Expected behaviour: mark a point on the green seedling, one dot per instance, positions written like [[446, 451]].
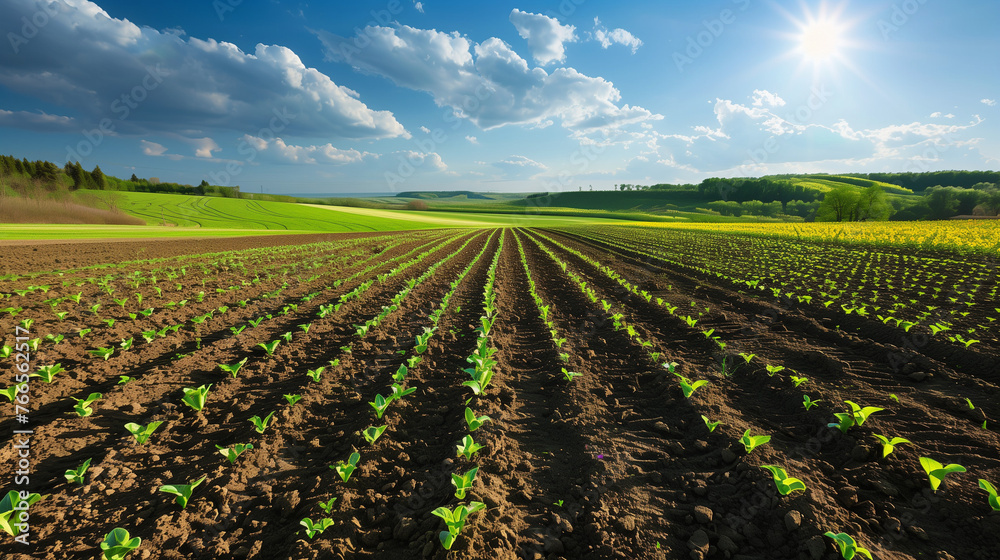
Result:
[[889, 445], [117, 544], [771, 370], [327, 506], [313, 529], [400, 374], [102, 353], [798, 380], [413, 361], [149, 336], [11, 392], [48, 373], [82, 406], [292, 399], [55, 339], [269, 347], [231, 453], [110, 323], [76, 475], [398, 392], [468, 447], [809, 403], [463, 482], [688, 388], [260, 424], [380, 405], [455, 520], [195, 398], [786, 484], [856, 416], [123, 379], [126, 343], [233, 369], [142, 433], [345, 469], [849, 548], [709, 424], [182, 491], [993, 500], [6, 351], [747, 357], [936, 471], [315, 374], [473, 422], [372, 433], [969, 402], [287, 336], [13, 507], [558, 503], [753, 442], [570, 375], [237, 330]]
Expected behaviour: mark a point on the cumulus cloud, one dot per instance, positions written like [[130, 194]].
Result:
[[278, 150], [764, 98], [615, 36], [146, 80], [545, 35], [988, 102], [939, 114], [152, 148], [487, 83], [472, 139]]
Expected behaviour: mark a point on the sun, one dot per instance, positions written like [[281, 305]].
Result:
[[821, 40]]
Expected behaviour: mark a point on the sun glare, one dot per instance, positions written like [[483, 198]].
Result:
[[820, 40]]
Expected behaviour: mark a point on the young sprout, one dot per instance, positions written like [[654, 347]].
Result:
[[260, 424], [688, 388], [55, 339], [48, 373], [463, 482], [314, 374], [82, 406], [123, 379], [372, 433], [854, 417], [287, 336], [117, 544], [76, 475], [809, 403], [380, 405], [292, 399], [195, 398], [455, 520], [126, 343], [327, 506], [468, 447], [558, 503], [182, 491], [344, 469], [269, 347], [936, 471], [993, 500], [771, 370], [231, 453], [413, 361], [474, 422], [709, 424], [786, 484], [102, 353], [569, 375], [889, 445], [233, 369], [312, 529], [13, 506], [894, 397], [849, 548], [237, 330], [142, 433], [753, 442], [798, 380]]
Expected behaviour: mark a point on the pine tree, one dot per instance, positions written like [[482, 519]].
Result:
[[100, 183]]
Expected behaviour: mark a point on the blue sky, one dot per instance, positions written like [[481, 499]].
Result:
[[326, 97]]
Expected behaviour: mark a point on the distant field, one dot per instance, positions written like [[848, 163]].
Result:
[[200, 216]]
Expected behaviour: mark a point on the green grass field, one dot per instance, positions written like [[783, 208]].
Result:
[[200, 216]]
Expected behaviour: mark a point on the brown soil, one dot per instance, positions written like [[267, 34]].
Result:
[[615, 464]]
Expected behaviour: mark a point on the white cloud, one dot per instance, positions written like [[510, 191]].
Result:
[[472, 139], [278, 150], [203, 147], [39, 122], [425, 130], [988, 102], [146, 80], [939, 114], [764, 98], [615, 36], [419, 6], [487, 83], [152, 148], [519, 167], [545, 35]]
